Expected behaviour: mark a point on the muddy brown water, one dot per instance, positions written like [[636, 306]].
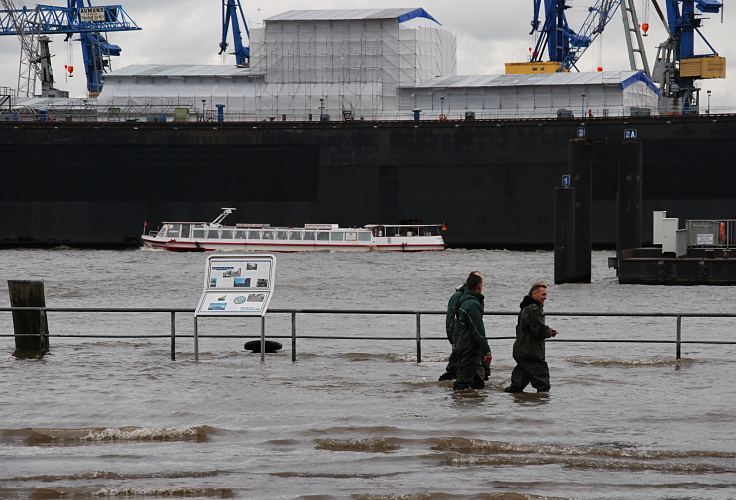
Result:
[[360, 418]]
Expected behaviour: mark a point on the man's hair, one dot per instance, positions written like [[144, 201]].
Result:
[[474, 273], [536, 286], [474, 280]]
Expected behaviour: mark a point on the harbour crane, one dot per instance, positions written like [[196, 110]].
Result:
[[78, 17], [232, 16], [677, 66], [564, 46]]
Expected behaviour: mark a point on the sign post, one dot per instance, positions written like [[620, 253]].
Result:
[[237, 285]]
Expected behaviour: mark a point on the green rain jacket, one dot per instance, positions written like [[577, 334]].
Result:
[[469, 329], [450, 316], [531, 331]]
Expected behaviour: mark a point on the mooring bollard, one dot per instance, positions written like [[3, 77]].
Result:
[[30, 327]]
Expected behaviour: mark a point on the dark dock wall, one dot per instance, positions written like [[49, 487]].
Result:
[[491, 182]]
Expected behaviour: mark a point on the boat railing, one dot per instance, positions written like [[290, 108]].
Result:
[[415, 316]]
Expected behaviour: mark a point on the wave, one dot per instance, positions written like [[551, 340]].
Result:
[[481, 447], [51, 478], [506, 495], [627, 363], [391, 357], [39, 437], [165, 492], [592, 464], [370, 445]]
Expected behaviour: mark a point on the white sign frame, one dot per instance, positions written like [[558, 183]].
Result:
[[237, 285]]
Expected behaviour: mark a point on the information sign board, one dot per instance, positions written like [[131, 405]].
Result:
[[237, 285], [630, 134], [92, 14], [705, 239]]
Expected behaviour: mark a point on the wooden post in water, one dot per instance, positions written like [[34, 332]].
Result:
[[30, 327]]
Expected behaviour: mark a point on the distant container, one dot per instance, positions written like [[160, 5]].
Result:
[[181, 114], [531, 68], [640, 111], [470, 115], [43, 115], [564, 113], [703, 67]]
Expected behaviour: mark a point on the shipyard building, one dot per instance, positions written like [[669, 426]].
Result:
[[373, 64]]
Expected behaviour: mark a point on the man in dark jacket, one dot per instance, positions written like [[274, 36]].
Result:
[[451, 370], [531, 331], [469, 337]]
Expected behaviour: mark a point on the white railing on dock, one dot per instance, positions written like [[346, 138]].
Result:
[[711, 233]]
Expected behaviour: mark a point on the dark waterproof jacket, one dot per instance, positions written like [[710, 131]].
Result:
[[531, 331], [469, 329], [450, 316]]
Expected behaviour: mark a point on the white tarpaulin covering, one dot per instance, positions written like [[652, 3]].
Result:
[[373, 63]]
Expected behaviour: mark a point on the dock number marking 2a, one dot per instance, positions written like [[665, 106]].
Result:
[[581, 132], [630, 134]]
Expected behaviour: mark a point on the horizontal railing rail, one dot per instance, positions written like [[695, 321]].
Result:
[[418, 338]]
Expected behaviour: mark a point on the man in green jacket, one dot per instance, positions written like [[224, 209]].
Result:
[[451, 370], [469, 337], [531, 332]]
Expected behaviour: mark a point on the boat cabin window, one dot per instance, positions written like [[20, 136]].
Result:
[[282, 235], [309, 235], [185, 230], [295, 235], [267, 235], [227, 234], [162, 232], [173, 231], [254, 235], [323, 236], [240, 235], [337, 236], [213, 234], [198, 233], [364, 236], [351, 236]]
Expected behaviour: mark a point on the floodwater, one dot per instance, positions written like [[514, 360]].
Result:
[[360, 418]]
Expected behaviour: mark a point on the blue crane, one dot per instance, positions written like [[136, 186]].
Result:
[[232, 15], [78, 17], [677, 66], [562, 43]]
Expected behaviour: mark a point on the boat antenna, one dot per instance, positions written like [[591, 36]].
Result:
[[221, 217]]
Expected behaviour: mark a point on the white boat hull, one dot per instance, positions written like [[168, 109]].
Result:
[[396, 245]]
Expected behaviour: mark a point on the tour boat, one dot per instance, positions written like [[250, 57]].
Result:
[[212, 236]]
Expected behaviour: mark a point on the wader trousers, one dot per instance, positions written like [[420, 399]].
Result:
[[470, 371], [528, 371], [451, 370]]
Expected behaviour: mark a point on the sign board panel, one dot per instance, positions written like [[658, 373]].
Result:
[[581, 132], [237, 285], [705, 239], [565, 181], [630, 134], [92, 14]]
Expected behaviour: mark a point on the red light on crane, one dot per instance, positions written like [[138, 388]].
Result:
[[599, 69], [645, 28]]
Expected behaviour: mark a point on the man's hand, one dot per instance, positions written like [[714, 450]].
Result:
[[553, 332], [487, 358]]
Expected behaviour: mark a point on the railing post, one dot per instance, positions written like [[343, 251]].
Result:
[[263, 338], [196, 341], [678, 349], [173, 336], [419, 337], [293, 336]]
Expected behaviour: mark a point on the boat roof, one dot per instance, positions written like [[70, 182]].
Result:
[[402, 225]]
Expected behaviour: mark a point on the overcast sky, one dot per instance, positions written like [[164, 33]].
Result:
[[490, 33]]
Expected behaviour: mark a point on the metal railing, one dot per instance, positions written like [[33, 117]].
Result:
[[418, 338], [711, 233]]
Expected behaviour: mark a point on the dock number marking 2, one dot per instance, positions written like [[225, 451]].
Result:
[[581, 132], [630, 133]]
